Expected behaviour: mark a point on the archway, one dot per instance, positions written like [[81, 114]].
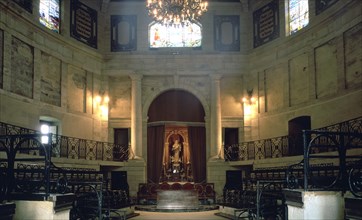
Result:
[[176, 115]]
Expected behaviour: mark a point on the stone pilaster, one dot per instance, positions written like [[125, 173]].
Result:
[[136, 117], [216, 151]]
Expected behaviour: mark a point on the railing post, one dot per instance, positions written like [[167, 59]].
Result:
[[48, 150], [104, 157], [342, 161], [306, 138], [258, 195]]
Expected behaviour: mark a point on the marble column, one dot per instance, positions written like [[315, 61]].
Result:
[[136, 117], [215, 120]]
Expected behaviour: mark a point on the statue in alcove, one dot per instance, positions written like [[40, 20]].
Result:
[[176, 164], [176, 150], [176, 155]]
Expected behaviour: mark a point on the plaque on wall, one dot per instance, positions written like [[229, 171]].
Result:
[[227, 32], [83, 23], [1, 58], [123, 33], [266, 23], [321, 5], [22, 68], [26, 4]]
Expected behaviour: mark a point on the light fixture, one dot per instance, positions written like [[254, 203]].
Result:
[[44, 129], [101, 102], [249, 99], [176, 12]]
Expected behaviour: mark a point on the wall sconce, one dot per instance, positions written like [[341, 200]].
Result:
[[249, 99], [248, 102], [101, 102]]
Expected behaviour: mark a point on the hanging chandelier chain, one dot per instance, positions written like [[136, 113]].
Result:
[[176, 12]]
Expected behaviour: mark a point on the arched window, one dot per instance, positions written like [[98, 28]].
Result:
[[161, 36], [298, 15]]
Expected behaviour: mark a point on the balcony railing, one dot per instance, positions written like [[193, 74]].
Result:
[[75, 148], [279, 146]]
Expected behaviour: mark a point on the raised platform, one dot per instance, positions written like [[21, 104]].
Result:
[[177, 199], [147, 192], [153, 208]]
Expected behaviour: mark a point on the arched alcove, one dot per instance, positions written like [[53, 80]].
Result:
[[178, 112], [176, 105]]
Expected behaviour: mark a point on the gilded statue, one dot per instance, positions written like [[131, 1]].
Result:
[[176, 149]]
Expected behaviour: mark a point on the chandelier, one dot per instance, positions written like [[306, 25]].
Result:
[[176, 12]]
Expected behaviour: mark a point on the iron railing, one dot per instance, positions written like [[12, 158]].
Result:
[[75, 148], [279, 146], [344, 175]]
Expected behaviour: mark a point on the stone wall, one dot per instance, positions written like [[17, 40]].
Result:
[[309, 73], [46, 75]]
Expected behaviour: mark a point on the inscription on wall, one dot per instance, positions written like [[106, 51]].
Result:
[[353, 54], [22, 68], [50, 80], [83, 23], [326, 69], [298, 80], [1, 58], [231, 91], [76, 90], [274, 89], [266, 23], [120, 91]]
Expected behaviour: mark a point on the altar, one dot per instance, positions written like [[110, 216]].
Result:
[[177, 199], [158, 193]]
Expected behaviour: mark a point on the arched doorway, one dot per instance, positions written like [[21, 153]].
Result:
[[176, 117]]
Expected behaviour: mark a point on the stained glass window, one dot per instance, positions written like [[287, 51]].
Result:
[[49, 14], [169, 36], [298, 15]]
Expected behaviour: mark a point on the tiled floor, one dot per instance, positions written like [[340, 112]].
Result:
[[207, 215]]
